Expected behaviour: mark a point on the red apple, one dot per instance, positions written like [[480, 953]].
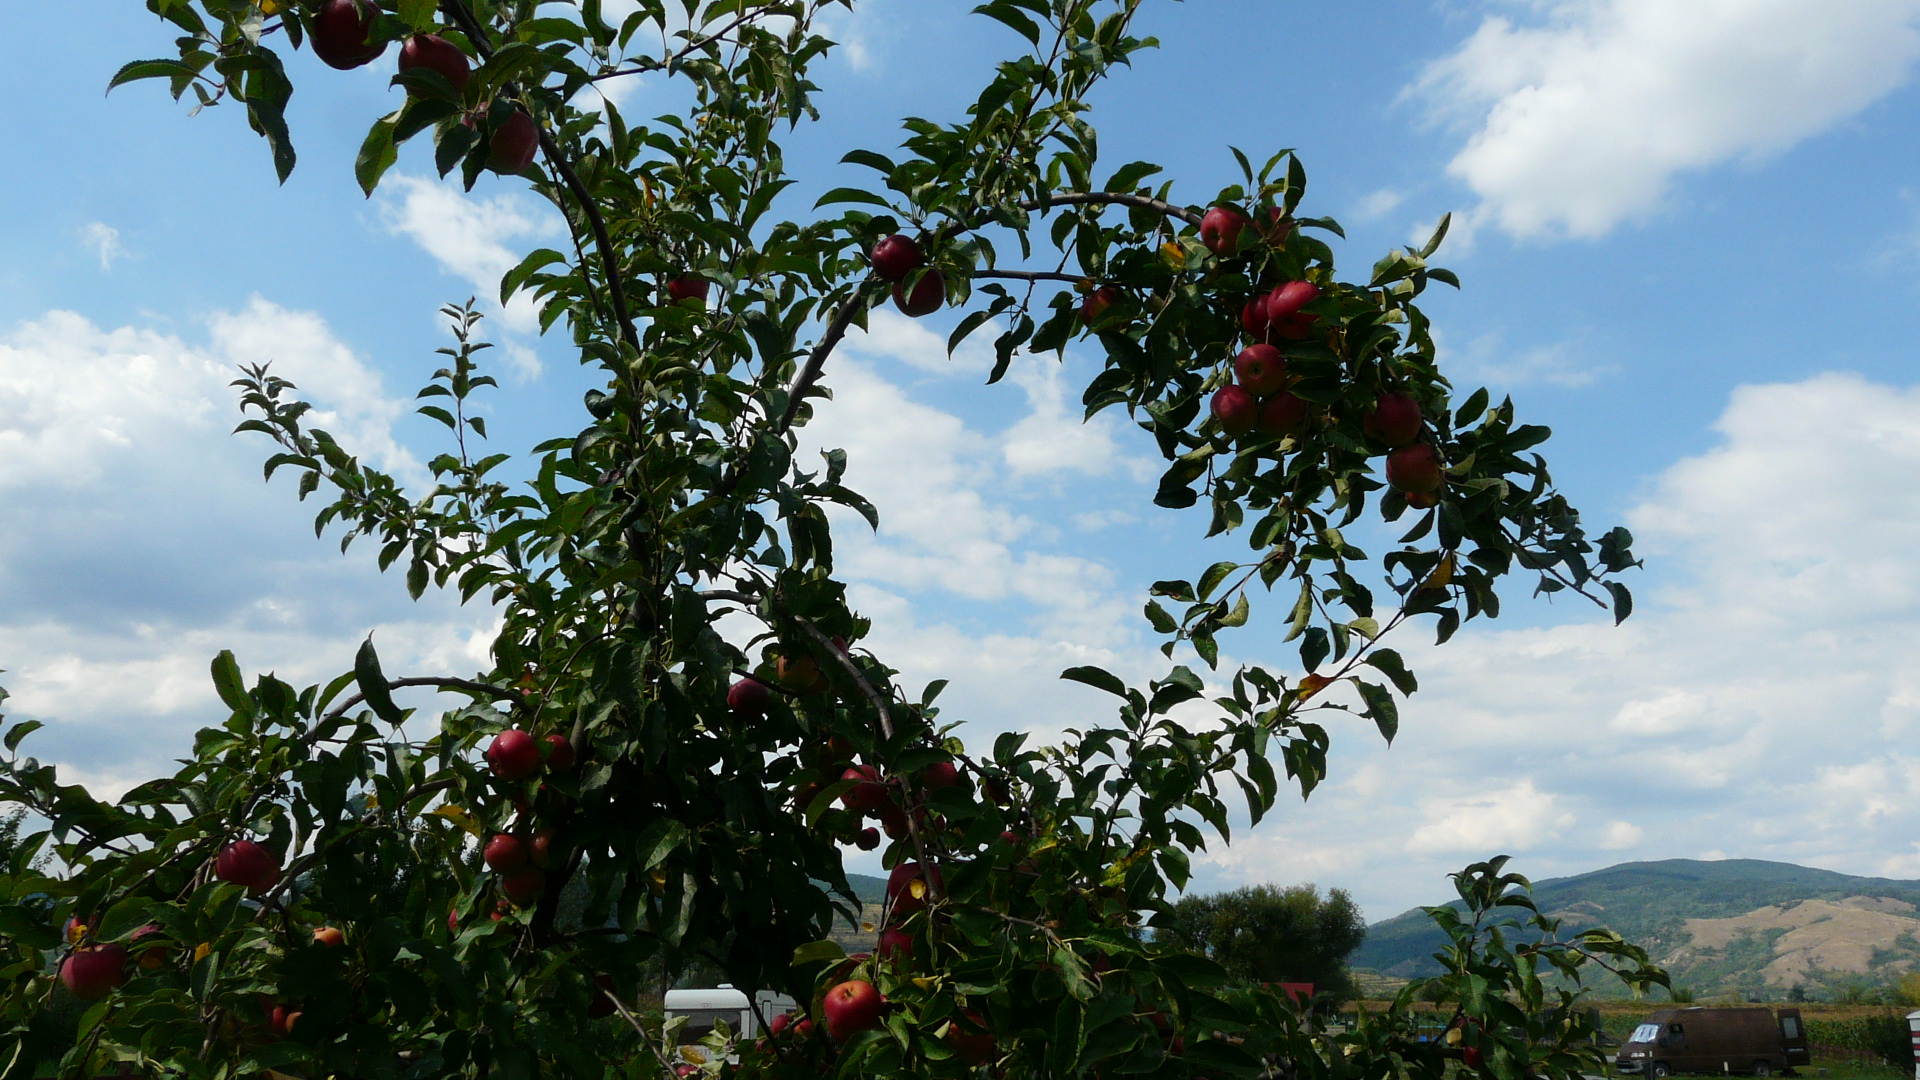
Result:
[[1279, 227], [867, 796], [1423, 500], [340, 31], [895, 944], [1261, 369], [748, 698], [1220, 229], [453, 920], [330, 936], [78, 931], [603, 991], [688, 287], [1415, 468], [778, 1024], [1097, 302], [559, 752], [544, 848], [1287, 300], [513, 755], [435, 53], [1254, 319], [1284, 413], [896, 257], [1471, 1057], [868, 839], [839, 748], [1235, 409], [907, 890], [851, 1008], [893, 820], [504, 854], [970, 1039], [244, 862], [800, 674], [940, 774], [1394, 419], [154, 956], [92, 973], [523, 887], [513, 144], [282, 1019], [1177, 1045], [929, 294], [1295, 327], [803, 1028]]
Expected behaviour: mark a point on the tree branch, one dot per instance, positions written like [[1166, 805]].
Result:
[[444, 683], [817, 359], [1139, 202]]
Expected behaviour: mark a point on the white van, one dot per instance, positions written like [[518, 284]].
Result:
[[723, 1003]]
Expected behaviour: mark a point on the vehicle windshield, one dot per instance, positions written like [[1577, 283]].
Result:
[[1645, 1033]]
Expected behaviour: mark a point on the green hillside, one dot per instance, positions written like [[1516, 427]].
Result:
[[1768, 934]]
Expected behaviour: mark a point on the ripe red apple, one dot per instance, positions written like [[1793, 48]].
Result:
[[800, 674], [92, 973], [244, 862], [778, 1024], [839, 748], [803, 1028], [1254, 319], [970, 1039], [1394, 419], [896, 257], [330, 936], [340, 31], [895, 944], [513, 755], [1287, 300], [1177, 1045], [1220, 229], [559, 752], [868, 839], [940, 774], [523, 887], [453, 920], [1261, 369], [748, 698], [513, 144], [893, 820], [504, 854], [544, 849], [1284, 413], [435, 53], [154, 956], [1097, 302], [907, 888], [501, 909], [928, 296], [867, 796], [1423, 500], [1279, 226], [283, 1018], [851, 1008], [1235, 409], [1416, 468], [997, 790], [603, 991], [1471, 1057], [688, 287]]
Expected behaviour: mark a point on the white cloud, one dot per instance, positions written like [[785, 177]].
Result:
[[1488, 359], [1584, 120], [1378, 204], [104, 241], [1621, 835], [1517, 818]]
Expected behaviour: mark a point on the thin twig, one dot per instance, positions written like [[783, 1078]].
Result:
[[443, 683], [1141, 202]]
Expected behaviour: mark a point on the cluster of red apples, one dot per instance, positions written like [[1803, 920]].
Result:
[[342, 36], [522, 859]]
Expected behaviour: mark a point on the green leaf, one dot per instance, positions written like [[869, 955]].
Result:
[[418, 14], [870, 159], [1214, 576], [851, 195], [20, 731], [1003, 12], [373, 684], [229, 685], [1389, 662], [1439, 234], [1380, 708], [1098, 678], [150, 69], [535, 261], [817, 951]]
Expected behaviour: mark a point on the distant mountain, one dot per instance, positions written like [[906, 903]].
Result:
[[1734, 925]]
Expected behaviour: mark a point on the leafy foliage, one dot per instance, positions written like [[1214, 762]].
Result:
[[694, 827], [1265, 934]]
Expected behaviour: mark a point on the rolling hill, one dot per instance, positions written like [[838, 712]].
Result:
[[1739, 926]]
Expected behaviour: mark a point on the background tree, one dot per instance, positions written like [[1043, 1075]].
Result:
[[1262, 933], [323, 889]]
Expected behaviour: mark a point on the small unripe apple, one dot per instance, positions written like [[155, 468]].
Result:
[[940, 774], [513, 755], [513, 144], [800, 674], [504, 854], [1416, 468], [92, 973], [244, 862], [851, 1008], [435, 53], [1261, 369], [330, 936], [1394, 419], [1284, 413], [867, 796], [970, 1039], [1287, 300], [1235, 409], [523, 887], [867, 839], [340, 32], [544, 849], [1097, 302], [897, 256], [748, 698], [1220, 229], [688, 287], [927, 296], [559, 752]]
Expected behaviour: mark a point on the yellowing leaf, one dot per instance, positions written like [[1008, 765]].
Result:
[[200, 951], [1441, 575], [459, 816], [1313, 684], [1172, 252]]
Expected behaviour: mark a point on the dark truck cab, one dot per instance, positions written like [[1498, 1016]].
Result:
[[1754, 1041]]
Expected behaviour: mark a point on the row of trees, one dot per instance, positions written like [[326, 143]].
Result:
[[318, 893]]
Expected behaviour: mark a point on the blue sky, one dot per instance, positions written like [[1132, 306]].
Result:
[[1690, 242]]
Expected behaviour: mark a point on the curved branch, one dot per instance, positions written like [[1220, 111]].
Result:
[[1138, 202], [817, 359]]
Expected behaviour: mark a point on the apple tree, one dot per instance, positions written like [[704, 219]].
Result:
[[325, 889]]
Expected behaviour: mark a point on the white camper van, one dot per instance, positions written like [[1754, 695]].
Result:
[[722, 1003]]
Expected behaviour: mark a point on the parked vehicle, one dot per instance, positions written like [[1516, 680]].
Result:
[[1753, 1041], [703, 1008]]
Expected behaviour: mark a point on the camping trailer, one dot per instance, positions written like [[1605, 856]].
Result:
[[703, 1008], [1754, 1041]]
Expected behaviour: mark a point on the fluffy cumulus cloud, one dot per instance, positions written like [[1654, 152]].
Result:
[[1582, 117], [139, 540]]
